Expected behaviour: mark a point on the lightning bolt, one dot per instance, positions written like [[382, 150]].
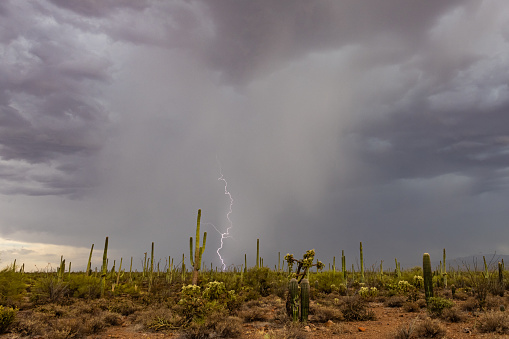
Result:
[[230, 223]]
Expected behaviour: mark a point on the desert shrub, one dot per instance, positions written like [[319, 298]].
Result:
[[323, 314], [229, 327], [12, 287], [289, 331], [405, 331], [7, 316], [470, 305], [354, 308], [494, 322], [411, 306], [124, 307], [395, 301], [493, 302], [452, 315], [158, 317], [260, 280], [429, 329], [27, 324], [215, 326], [254, 313], [82, 286], [49, 289], [436, 305]]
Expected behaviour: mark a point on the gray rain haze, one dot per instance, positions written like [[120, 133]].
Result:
[[333, 122]]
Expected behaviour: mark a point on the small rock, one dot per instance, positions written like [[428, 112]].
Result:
[[329, 323], [307, 329], [362, 329]]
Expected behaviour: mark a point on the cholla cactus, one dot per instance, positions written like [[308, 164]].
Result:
[[404, 285], [367, 292], [418, 281], [304, 264], [214, 290]]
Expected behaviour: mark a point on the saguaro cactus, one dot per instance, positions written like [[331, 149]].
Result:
[[304, 300], [428, 278], [198, 251], [104, 268], [257, 253], [362, 264], [89, 271], [444, 272], [293, 300], [343, 263]]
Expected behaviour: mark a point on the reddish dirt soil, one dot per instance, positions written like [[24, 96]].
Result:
[[388, 320]]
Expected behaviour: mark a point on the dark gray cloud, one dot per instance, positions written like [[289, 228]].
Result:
[[50, 107], [334, 123]]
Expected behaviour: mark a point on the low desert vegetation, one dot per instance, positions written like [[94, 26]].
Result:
[[288, 300]]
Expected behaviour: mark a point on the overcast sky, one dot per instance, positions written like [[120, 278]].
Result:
[[333, 122]]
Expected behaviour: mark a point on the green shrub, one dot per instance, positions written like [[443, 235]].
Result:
[[82, 286], [436, 305], [49, 289], [12, 287], [7, 315]]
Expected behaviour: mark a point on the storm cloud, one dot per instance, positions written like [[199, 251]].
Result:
[[334, 122]]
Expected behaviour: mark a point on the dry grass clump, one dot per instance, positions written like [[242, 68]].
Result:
[[323, 314], [411, 306], [452, 315], [290, 331], [429, 329], [355, 309], [405, 331], [157, 317], [216, 326], [395, 301], [124, 307], [256, 313], [494, 322], [55, 321], [470, 305]]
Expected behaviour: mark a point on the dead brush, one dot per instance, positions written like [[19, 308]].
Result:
[[405, 331], [158, 318], [494, 322], [395, 301], [216, 326], [452, 315], [429, 329], [289, 331], [323, 314], [255, 313], [355, 309], [411, 307]]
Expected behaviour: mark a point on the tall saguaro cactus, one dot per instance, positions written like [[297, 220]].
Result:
[[198, 251], [362, 263], [444, 272], [304, 300], [89, 271], [104, 268], [293, 301], [257, 253], [428, 278]]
